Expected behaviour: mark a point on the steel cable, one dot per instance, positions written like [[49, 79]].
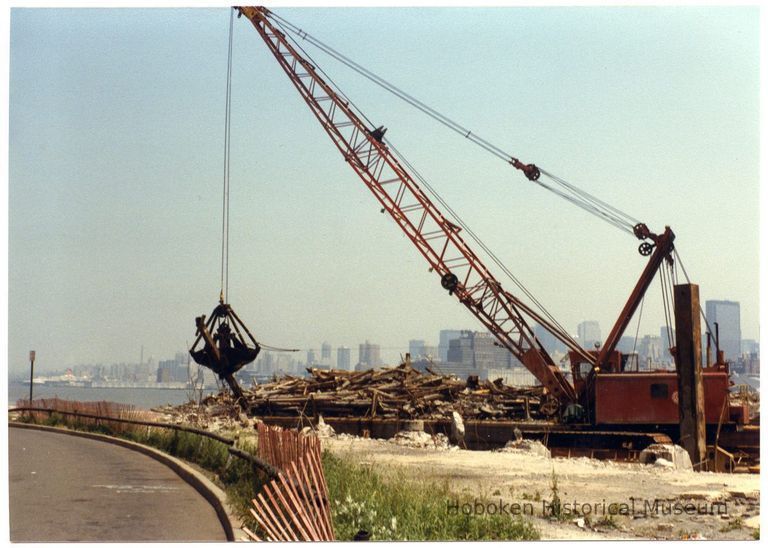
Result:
[[476, 239], [580, 198], [225, 193]]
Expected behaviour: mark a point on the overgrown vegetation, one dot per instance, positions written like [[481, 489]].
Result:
[[391, 506]]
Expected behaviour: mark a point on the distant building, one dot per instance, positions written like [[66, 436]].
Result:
[[627, 344], [369, 356], [311, 358], [325, 353], [488, 354], [343, 358], [548, 340], [727, 315], [664, 335], [589, 333], [750, 346], [172, 371], [477, 350], [430, 352], [652, 353], [446, 336], [416, 349], [460, 350], [514, 376]]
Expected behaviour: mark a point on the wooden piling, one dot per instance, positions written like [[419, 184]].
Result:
[[689, 373]]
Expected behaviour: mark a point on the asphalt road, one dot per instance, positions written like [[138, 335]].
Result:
[[66, 488]]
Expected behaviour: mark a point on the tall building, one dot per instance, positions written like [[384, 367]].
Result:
[[325, 353], [311, 357], [478, 351], [460, 349], [171, 371], [664, 334], [727, 315], [430, 352], [343, 358], [589, 334], [416, 349], [627, 344], [548, 340], [369, 356], [652, 352], [446, 335], [487, 354]]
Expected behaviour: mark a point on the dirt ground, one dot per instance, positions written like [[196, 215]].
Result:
[[600, 499]]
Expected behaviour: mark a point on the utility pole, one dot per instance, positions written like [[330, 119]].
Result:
[[31, 374]]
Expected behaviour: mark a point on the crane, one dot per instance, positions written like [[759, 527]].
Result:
[[459, 269]]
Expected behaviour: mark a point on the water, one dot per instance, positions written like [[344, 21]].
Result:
[[144, 398]]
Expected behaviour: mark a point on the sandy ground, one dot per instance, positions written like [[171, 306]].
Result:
[[589, 486]]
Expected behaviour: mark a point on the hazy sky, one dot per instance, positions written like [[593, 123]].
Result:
[[116, 153]]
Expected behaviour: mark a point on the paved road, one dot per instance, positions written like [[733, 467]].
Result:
[[66, 488]]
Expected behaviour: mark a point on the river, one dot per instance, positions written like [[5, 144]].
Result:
[[144, 398]]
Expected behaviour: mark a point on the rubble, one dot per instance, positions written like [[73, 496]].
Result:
[[421, 440], [666, 456], [398, 392], [531, 447], [457, 428]]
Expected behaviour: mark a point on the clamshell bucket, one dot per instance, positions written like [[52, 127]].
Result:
[[221, 344]]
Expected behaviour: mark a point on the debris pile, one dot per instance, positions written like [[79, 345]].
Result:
[[529, 447], [422, 440], [398, 392], [665, 455]]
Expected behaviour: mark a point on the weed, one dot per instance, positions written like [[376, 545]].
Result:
[[734, 525], [555, 505], [392, 506], [607, 521]]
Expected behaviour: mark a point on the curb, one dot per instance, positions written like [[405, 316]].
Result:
[[210, 492]]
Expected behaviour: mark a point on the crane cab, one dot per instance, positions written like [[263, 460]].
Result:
[[619, 394]]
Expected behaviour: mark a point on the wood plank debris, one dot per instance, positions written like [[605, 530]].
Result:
[[398, 392]]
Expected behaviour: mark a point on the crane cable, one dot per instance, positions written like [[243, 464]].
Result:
[[566, 190], [225, 193], [679, 261], [563, 332], [224, 295]]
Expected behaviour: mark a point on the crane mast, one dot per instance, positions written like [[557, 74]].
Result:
[[460, 270]]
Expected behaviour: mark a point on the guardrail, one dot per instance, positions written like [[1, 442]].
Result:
[[263, 465]]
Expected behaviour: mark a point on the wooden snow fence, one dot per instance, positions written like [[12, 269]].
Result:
[[294, 506]]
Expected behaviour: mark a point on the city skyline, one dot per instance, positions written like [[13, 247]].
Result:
[[115, 147], [327, 353]]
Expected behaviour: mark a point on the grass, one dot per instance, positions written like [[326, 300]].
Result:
[[391, 506], [734, 525]]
